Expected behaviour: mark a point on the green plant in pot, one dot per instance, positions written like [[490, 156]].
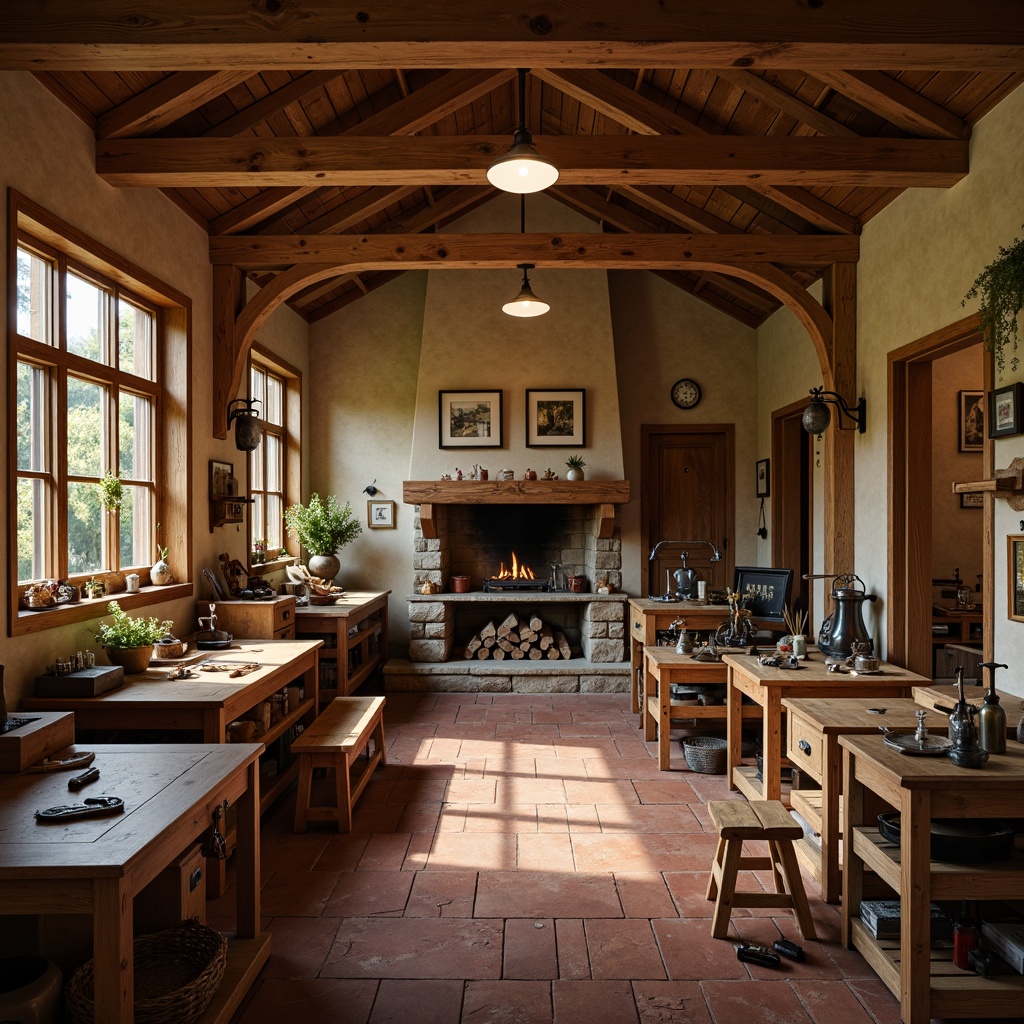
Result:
[[575, 464], [111, 492], [128, 639], [1000, 286], [323, 528]]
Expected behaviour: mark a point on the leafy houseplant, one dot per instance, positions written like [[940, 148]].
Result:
[[129, 640], [111, 492], [575, 464], [323, 528], [1001, 289]]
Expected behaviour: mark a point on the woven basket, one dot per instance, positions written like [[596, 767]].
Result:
[[706, 754], [177, 972]]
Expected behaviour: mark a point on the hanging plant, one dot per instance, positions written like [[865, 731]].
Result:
[[1000, 287], [111, 491]]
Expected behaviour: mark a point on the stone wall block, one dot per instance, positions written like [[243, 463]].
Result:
[[430, 650], [604, 684], [600, 651], [429, 611]]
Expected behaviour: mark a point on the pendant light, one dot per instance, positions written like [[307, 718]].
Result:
[[522, 168], [525, 303]]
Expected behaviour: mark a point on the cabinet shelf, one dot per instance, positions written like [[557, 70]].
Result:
[[1006, 483]]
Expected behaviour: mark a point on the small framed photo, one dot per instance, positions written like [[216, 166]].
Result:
[[975, 500], [1015, 574], [764, 478], [556, 418], [222, 479], [380, 515], [1006, 410], [971, 418], [469, 419]]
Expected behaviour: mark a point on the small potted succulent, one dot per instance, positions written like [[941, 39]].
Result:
[[575, 464], [323, 528], [129, 640]]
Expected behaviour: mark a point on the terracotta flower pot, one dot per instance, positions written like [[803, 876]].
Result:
[[132, 659]]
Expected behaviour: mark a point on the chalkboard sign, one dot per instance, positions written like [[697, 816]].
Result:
[[764, 591]]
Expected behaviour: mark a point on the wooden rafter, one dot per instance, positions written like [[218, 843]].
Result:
[[670, 206], [591, 160], [196, 34]]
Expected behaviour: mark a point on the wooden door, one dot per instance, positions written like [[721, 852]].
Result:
[[688, 493]]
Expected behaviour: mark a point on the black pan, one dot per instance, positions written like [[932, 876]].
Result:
[[958, 840]]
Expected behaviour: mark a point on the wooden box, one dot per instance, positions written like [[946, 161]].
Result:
[[86, 682], [45, 733]]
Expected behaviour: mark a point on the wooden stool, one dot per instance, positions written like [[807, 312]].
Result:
[[337, 736], [735, 821]]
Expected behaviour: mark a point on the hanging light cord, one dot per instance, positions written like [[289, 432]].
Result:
[[522, 98]]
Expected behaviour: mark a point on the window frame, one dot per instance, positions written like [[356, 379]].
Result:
[[290, 433], [36, 230]]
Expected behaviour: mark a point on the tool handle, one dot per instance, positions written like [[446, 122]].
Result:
[[80, 781]]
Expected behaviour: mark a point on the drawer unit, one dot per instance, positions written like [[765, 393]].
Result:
[[804, 745], [255, 620]]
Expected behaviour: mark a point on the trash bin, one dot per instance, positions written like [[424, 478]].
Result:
[[30, 990]]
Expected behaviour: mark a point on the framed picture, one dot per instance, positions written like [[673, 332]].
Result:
[[380, 515], [764, 478], [971, 418], [222, 479], [1015, 574], [556, 418], [1006, 410], [469, 419], [975, 500]]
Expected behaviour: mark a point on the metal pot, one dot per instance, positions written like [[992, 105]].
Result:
[[845, 626]]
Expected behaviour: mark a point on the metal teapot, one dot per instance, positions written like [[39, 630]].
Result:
[[845, 626]]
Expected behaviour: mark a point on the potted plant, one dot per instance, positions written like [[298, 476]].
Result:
[[161, 574], [575, 464], [129, 640], [1001, 289], [323, 528]]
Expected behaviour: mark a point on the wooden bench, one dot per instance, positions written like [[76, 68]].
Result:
[[337, 736], [737, 820]]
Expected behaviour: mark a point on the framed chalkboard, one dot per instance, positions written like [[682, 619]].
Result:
[[765, 591]]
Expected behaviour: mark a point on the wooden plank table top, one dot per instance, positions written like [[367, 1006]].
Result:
[[354, 602], [208, 701], [767, 686], [97, 866], [923, 788]]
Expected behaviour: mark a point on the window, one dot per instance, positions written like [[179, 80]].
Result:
[[91, 346], [273, 466]]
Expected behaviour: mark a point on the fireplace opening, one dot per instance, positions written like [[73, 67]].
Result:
[[519, 578]]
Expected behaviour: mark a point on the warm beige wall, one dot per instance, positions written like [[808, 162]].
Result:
[[49, 155], [956, 531], [662, 334]]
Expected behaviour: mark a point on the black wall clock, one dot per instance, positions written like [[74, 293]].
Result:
[[686, 393]]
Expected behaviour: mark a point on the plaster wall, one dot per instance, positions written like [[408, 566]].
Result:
[[49, 156]]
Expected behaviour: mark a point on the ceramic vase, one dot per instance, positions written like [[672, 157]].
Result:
[[161, 574], [574, 474], [326, 567]]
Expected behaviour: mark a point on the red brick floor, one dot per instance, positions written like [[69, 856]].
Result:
[[522, 860]]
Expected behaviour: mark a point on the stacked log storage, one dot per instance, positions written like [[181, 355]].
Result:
[[518, 638]]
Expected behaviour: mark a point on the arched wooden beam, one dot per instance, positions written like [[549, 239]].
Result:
[[461, 252]]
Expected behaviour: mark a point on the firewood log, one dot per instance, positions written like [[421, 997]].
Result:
[[510, 622], [488, 630], [563, 645]]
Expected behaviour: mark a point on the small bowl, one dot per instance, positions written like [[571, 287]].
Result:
[[169, 647]]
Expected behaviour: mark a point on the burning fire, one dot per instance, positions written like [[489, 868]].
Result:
[[517, 572]]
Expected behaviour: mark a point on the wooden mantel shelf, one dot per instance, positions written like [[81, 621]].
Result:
[[606, 494], [1006, 483]]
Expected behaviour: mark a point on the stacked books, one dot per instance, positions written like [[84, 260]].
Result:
[[1006, 939], [882, 919]]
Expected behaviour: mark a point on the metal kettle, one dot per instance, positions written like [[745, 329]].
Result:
[[845, 626]]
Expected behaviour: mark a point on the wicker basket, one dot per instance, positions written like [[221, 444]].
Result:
[[706, 754], [177, 973]]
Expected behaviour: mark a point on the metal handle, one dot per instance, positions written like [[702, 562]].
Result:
[[804, 746]]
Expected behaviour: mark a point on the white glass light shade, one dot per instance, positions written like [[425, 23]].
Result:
[[522, 169], [525, 303]]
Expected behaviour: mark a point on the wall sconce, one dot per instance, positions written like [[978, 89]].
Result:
[[817, 417], [248, 432]]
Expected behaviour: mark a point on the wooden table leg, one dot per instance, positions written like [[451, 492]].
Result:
[[771, 746], [733, 727], [113, 960], [247, 854], [651, 682], [664, 721], [636, 668], [853, 866], [915, 912], [831, 787]]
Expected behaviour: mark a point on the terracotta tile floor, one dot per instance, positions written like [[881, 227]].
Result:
[[522, 860]]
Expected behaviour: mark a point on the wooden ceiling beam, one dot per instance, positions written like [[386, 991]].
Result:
[[575, 249], [354, 211], [198, 34], [646, 116], [896, 102], [582, 160], [165, 102], [670, 206], [785, 102], [257, 209], [270, 104]]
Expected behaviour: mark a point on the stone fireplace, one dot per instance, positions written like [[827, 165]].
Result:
[[469, 528]]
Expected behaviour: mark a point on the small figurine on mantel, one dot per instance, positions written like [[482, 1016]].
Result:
[[549, 474], [458, 473], [530, 474], [446, 476], [507, 474]]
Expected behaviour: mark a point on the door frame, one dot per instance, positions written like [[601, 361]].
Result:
[[909, 607], [649, 430]]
